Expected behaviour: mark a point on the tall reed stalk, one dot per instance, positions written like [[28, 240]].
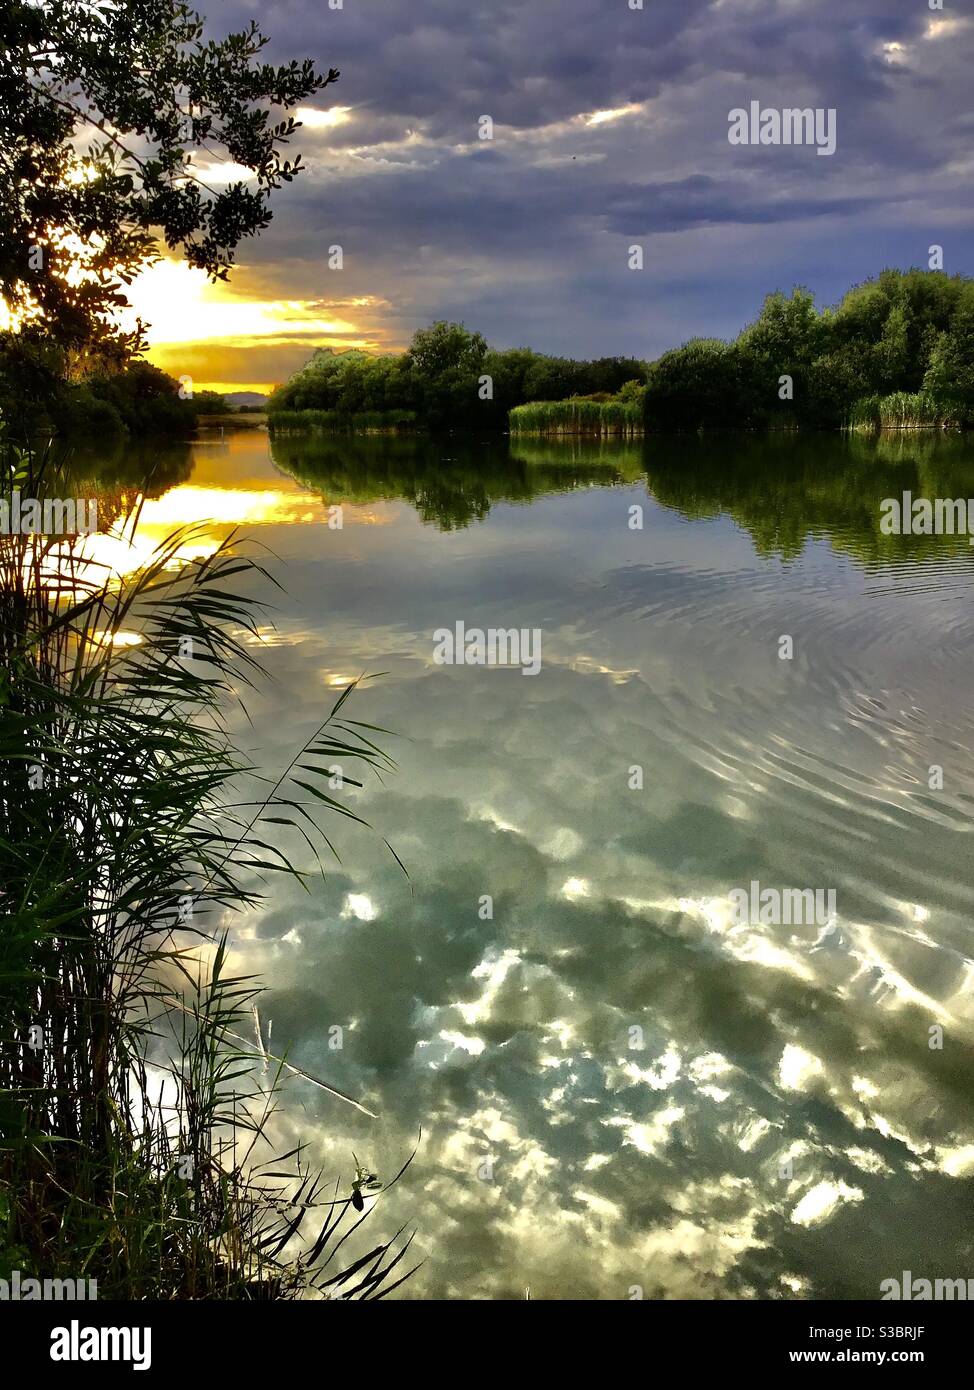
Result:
[[134, 1117]]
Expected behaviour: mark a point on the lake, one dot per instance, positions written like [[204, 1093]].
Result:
[[621, 1086]]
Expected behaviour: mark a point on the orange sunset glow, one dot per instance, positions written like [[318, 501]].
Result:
[[231, 336]]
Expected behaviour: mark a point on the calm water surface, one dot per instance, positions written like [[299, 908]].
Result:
[[618, 1085]]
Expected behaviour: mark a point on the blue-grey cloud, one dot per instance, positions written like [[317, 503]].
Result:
[[526, 236]]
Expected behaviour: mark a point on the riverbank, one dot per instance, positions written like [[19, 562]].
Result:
[[339, 422]]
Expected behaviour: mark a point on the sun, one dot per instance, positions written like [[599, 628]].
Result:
[[182, 309], [181, 305]]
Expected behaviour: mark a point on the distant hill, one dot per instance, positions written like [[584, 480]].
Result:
[[237, 399]]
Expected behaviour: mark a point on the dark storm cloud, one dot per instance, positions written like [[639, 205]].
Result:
[[445, 63], [699, 200], [526, 236]]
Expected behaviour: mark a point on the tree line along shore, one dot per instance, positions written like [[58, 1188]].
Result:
[[897, 352]]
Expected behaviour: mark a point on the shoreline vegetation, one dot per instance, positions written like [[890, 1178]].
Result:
[[337, 422], [137, 1121], [897, 352], [905, 410], [140, 1148], [40, 398], [447, 379], [621, 415]]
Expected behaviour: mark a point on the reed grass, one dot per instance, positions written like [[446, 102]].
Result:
[[338, 422], [134, 1117], [577, 416], [902, 410]]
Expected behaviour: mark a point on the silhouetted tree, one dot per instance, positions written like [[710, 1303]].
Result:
[[105, 114]]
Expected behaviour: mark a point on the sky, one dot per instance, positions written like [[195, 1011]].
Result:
[[609, 130]]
